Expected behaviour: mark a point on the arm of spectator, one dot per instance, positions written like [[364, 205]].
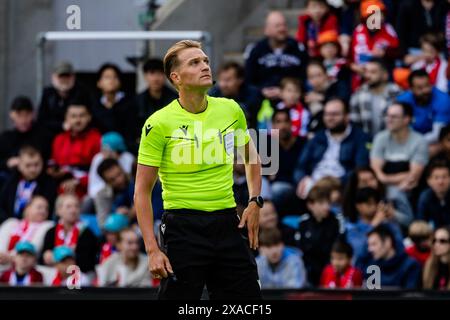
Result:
[[394, 179], [47, 254], [433, 136], [413, 177], [87, 251]]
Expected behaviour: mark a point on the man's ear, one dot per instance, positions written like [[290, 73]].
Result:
[[175, 78]]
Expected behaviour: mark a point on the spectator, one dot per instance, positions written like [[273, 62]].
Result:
[[291, 146], [436, 272], [112, 110], [57, 97], [369, 103], [24, 132], [231, 84], [332, 152], [431, 106], [330, 53], [444, 145], [372, 212], [28, 180], [112, 146], [340, 273], [23, 273], [290, 94], [334, 188], [70, 232], [114, 224], [279, 267], [317, 19], [431, 60], [60, 275], [157, 94], [126, 268], [319, 229], [419, 248], [32, 228], [434, 202], [73, 151], [416, 18], [364, 177], [273, 58], [399, 154], [397, 269], [369, 41], [117, 186], [323, 88]]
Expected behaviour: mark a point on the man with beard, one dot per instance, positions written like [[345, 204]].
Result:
[[334, 151], [369, 103], [431, 107], [231, 84]]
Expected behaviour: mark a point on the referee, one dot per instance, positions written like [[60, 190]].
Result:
[[190, 144]]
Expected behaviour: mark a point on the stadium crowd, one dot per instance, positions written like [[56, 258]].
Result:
[[362, 115]]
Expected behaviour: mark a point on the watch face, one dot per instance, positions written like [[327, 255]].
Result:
[[260, 201]]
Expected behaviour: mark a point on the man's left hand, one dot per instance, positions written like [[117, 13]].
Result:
[[251, 218]]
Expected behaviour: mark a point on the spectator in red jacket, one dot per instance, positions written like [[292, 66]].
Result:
[[73, 150], [23, 273], [340, 273], [420, 234], [370, 40], [317, 19]]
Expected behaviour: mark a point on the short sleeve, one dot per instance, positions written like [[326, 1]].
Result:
[[241, 134], [377, 147], [421, 154], [152, 144]]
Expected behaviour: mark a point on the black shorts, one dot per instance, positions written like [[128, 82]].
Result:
[[207, 248]]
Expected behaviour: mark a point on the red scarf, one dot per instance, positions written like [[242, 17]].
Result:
[[58, 279], [107, 250], [24, 232], [32, 277], [70, 239]]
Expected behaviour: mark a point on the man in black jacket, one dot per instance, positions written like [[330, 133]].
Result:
[[275, 57], [24, 132], [56, 98], [29, 179]]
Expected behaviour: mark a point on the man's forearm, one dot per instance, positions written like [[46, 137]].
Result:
[[144, 214], [253, 175]]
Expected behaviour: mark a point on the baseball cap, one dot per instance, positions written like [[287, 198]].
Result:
[[63, 67], [365, 4], [62, 252], [327, 37], [115, 222], [25, 246], [113, 141]]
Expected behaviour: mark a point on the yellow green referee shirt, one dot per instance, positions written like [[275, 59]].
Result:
[[195, 153]]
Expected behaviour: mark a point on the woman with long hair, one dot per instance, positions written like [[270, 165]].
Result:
[[437, 268]]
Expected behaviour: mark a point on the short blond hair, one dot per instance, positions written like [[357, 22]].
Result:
[[171, 58]]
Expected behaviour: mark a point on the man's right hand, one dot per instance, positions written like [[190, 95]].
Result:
[[159, 264]]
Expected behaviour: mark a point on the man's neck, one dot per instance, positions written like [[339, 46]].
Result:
[[277, 44], [287, 143], [155, 93], [130, 262], [441, 195], [378, 88], [390, 254], [401, 135], [110, 98], [21, 272], [194, 102], [67, 226]]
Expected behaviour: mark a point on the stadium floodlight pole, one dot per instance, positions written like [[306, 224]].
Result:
[[44, 37]]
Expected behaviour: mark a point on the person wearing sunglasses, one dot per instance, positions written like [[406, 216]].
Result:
[[437, 268]]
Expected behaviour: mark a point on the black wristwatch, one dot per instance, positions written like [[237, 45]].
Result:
[[259, 201]]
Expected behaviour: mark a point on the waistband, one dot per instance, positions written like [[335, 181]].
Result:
[[200, 212]]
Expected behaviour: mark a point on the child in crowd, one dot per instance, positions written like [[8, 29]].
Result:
[[23, 272], [114, 224], [340, 273], [291, 93], [419, 246]]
